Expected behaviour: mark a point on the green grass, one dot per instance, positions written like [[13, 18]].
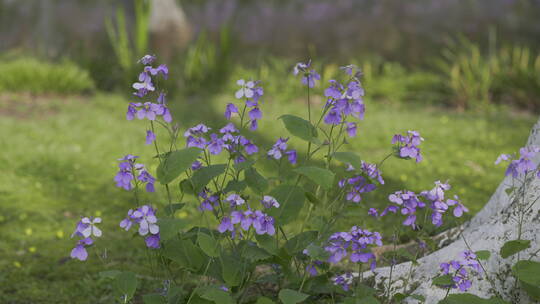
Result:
[[59, 158]]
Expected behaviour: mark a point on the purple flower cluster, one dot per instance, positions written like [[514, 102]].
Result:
[[345, 100], [146, 218], [125, 178], [260, 221], [408, 145], [280, 148], [344, 280], [461, 270], [372, 172], [309, 75], [209, 201], [228, 139], [252, 93], [355, 242], [359, 185], [409, 203], [85, 229], [148, 110], [145, 85], [523, 165]]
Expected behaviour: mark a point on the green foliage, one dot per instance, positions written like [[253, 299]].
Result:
[[483, 254], [170, 227], [291, 199], [175, 163], [208, 244], [512, 247], [443, 281], [204, 175], [300, 128], [349, 158], [320, 176], [255, 180], [185, 254], [125, 284], [29, 75], [288, 296]]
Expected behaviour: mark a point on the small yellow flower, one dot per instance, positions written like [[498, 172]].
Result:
[[403, 177], [98, 213], [182, 214], [59, 234], [32, 249], [28, 231], [17, 264]]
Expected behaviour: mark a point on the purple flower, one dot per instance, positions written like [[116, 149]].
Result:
[[345, 280], [90, 228], [246, 89], [229, 109], [359, 186], [128, 169], [269, 202], [147, 59], [523, 165], [147, 220], [372, 171], [333, 117], [264, 224], [355, 242], [152, 241], [409, 203], [309, 76], [209, 200], [148, 110], [459, 209], [351, 129], [291, 156], [261, 222], [310, 268], [150, 137], [408, 145], [373, 212], [216, 144], [225, 225], [196, 165], [235, 200], [79, 252], [255, 114], [462, 270], [128, 221], [334, 90]]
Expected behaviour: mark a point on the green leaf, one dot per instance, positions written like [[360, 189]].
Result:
[[244, 165], [312, 198], [204, 175], [364, 291], [185, 254], [267, 242], [320, 176], [527, 272], [300, 242], [172, 208], [231, 269], [418, 297], [252, 252], [289, 296], [255, 181], [509, 190], [349, 158], [300, 128], [235, 186], [208, 244], [368, 300], [186, 187], [467, 298], [109, 274], [264, 300], [216, 295], [291, 200], [317, 252], [125, 284], [512, 247], [532, 291], [169, 227], [154, 298], [442, 281], [175, 163], [483, 254]]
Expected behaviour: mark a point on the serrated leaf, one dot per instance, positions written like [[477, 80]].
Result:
[[204, 175], [512, 247], [320, 176], [125, 284], [172, 208], [208, 244], [169, 227], [175, 163], [483, 254], [289, 296], [349, 158], [300, 128], [291, 200], [442, 281], [255, 180]]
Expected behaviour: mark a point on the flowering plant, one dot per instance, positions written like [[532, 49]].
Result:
[[252, 243]]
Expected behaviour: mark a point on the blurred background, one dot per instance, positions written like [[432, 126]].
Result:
[[464, 73]]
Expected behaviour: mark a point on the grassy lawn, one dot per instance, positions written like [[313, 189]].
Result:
[[59, 156]]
